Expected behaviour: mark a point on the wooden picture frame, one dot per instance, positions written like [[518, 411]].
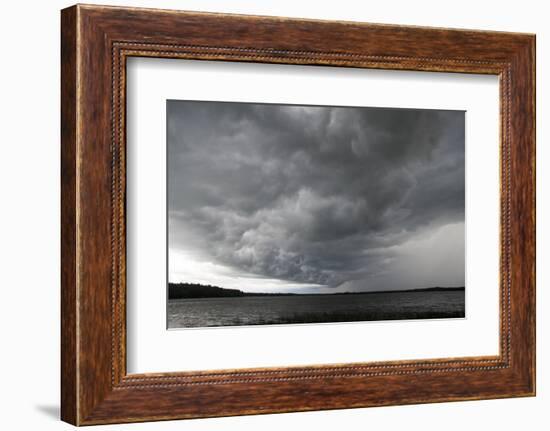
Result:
[[95, 43]]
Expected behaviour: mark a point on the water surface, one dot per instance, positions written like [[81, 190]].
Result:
[[269, 310]]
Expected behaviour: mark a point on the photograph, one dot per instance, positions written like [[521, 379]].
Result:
[[288, 212], [293, 214]]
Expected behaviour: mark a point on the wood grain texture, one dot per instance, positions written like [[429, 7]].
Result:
[[96, 41], [69, 397]]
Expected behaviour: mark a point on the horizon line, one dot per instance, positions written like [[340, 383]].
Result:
[[418, 289]]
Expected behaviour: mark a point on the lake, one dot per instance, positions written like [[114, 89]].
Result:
[[271, 310]]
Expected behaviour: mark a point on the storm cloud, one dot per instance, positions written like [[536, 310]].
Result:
[[325, 196]]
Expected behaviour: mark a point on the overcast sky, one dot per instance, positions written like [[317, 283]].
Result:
[[304, 198]]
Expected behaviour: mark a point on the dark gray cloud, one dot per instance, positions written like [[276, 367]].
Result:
[[318, 195]]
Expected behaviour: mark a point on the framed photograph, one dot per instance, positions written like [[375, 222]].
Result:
[[264, 214]]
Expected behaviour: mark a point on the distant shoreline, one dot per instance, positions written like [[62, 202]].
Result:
[[195, 291]]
